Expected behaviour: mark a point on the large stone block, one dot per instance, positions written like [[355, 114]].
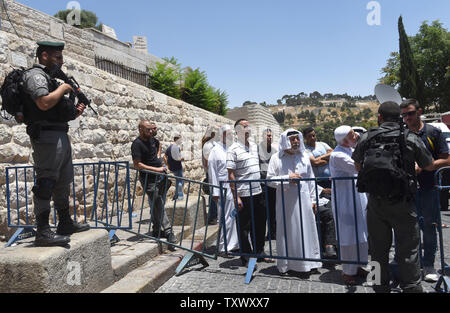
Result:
[[84, 268], [194, 213]]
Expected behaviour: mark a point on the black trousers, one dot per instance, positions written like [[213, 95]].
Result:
[[157, 187], [327, 226], [271, 195], [383, 216], [255, 227]]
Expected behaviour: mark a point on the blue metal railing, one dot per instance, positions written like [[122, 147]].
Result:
[[148, 204], [282, 182], [164, 182], [19, 196], [443, 279], [286, 254]]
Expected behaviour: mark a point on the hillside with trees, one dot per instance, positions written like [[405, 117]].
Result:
[[324, 112]]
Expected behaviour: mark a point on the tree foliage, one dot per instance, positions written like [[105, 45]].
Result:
[[197, 91], [430, 48], [88, 19], [188, 85], [280, 117], [164, 79], [410, 83]]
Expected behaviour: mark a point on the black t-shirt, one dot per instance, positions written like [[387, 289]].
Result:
[[436, 144], [146, 152]]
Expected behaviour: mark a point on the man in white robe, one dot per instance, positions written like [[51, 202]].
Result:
[[217, 172], [347, 197], [296, 221]]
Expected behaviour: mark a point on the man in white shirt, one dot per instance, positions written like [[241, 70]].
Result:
[[217, 172], [349, 227], [297, 235]]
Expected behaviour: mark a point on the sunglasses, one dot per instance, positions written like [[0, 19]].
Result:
[[412, 113]]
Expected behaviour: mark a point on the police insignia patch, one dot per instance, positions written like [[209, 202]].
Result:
[[40, 81]]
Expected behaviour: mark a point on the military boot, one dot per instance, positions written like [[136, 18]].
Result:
[[171, 238], [44, 236], [67, 226]]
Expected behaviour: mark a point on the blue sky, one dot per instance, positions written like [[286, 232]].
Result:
[[262, 50]]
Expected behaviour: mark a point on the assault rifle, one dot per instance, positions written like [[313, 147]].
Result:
[[56, 72]]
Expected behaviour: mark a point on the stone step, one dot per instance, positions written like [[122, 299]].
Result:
[[82, 267], [153, 274], [132, 252]]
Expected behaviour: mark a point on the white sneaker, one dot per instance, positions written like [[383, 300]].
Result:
[[430, 275]]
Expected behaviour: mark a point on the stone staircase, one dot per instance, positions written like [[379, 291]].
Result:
[[142, 265], [134, 264]]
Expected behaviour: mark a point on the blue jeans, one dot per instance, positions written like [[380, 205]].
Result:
[[179, 185], [427, 203]]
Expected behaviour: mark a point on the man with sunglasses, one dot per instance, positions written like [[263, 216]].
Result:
[[146, 154], [427, 201]]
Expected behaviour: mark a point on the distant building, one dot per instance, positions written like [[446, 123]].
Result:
[[140, 44], [260, 119]]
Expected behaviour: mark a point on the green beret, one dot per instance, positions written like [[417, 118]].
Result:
[[51, 44]]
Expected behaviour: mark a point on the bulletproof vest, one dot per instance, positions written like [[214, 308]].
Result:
[[57, 114], [388, 166]]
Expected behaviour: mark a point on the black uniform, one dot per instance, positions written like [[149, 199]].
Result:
[[385, 215]]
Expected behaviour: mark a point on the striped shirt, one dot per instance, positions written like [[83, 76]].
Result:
[[245, 162]]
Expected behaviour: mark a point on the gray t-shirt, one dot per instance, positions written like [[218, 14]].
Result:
[[36, 82]]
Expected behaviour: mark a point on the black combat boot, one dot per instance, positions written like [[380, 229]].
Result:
[[67, 226], [44, 236], [171, 238]]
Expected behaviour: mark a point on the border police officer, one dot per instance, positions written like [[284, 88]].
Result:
[[47, 112], [385, 213]]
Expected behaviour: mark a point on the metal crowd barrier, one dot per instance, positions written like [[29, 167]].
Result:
[[443, 283], [254, 256], [100, 196], [194, 224]]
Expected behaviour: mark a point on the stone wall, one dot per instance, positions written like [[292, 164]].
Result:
[[121, 104]]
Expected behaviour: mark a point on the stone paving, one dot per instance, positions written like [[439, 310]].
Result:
[[228, 276]]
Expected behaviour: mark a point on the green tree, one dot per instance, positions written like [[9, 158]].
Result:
[[88, 19], [221, 102], [280, 117], [431, 52], [197, 91], [164, 78], [410, 83], [173, 61], [367, 113]]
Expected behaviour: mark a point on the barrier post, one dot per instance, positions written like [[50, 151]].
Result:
[[443, 284]]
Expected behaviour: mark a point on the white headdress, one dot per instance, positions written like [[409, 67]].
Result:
[[285, 143], [341, 132]]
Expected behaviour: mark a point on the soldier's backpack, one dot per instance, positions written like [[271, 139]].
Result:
[[383, 169], [12, 94]]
